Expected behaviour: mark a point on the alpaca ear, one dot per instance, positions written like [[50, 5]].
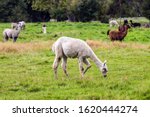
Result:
[[105, 62]]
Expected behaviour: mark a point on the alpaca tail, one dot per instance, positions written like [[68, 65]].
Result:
[[4, 33], [53, 47], [108, 32]]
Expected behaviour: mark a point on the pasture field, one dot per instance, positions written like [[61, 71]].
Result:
[[26, 66]]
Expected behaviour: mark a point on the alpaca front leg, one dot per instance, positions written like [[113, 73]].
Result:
[[64, 63], [88, 65], [14, 39], [81, 66], [55, 66]]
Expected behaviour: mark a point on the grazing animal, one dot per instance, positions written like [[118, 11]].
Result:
[[146, 25], [113, 23], [11, 33], [22, 24], [67, 47], [118, 35], [135, 24]]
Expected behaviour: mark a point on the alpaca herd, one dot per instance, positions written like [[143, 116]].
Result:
[[121, 32], [135, 24], [114, 35], [118, 35], [67, 47], [18, 24], [13, 33]]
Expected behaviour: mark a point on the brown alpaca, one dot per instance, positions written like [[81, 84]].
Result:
[[122, 28], [118, 35]]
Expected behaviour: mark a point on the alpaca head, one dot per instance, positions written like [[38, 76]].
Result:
[[18, 27], [104, 69], [130, 21]]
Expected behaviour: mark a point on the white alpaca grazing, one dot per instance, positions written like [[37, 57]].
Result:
[[113, 23], [67, 47]]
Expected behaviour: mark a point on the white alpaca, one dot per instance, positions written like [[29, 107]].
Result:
[[67, 47], [44, 28], [22, 24], [113, 23], [11, 33], [14, 25]]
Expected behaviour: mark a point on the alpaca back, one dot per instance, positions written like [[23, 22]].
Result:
[[117, 35], [8, 32], [71, 47], [11, 33]]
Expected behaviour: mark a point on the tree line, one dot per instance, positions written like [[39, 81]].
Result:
[[72, 10]]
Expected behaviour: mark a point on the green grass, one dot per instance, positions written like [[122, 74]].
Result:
[[28, 74], [85, 31]]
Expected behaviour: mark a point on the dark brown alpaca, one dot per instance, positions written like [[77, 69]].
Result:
[[118, 35]]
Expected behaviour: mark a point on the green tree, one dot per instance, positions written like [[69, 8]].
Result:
[[79, 10], [146, 8], [13, 10], [87, 10], [58, 9], [125, 8], [36, 15]]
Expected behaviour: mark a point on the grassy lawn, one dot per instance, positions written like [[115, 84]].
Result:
[[26, 66]]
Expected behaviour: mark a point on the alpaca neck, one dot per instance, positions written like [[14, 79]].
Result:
[[125, 32], [18, 30], [96, 60]]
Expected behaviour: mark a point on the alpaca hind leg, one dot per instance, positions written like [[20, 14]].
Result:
[[55, 66], [81, 66], [5, 38], [88, 65], [64, 65]]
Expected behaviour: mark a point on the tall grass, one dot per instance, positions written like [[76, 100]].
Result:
[[24, 47], [46, 45]]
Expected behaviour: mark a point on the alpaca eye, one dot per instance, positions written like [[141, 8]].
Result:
[[104, 70]]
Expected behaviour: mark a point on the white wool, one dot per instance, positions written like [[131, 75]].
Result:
[[113, 23], [67, 47]]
